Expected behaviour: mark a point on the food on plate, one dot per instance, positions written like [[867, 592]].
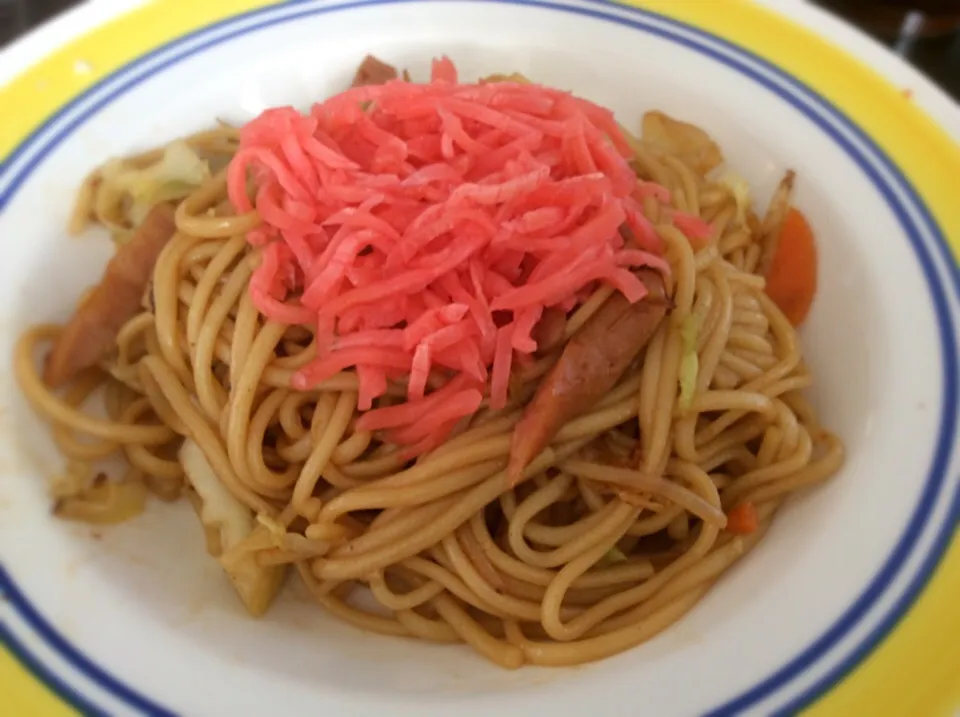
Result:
[[475, 361]]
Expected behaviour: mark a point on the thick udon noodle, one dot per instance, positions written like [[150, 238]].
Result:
[[448, 552]]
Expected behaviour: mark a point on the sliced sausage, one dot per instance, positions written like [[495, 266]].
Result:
[[548, 333], [92, 330], [590, 365], [373, 71]]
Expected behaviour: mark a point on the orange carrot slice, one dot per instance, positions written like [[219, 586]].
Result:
[[792, 278], [743, 519]]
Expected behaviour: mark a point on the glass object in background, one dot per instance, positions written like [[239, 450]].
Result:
[[18, 16], [924, 32], [894, 18], [12, 21]]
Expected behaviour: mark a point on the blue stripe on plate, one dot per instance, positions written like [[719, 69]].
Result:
[[56, 642], [39, 670], [803, 98]]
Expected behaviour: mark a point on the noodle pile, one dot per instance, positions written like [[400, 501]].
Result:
[[615, 532]]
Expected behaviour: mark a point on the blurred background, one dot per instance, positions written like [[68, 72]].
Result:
[[925, 32]]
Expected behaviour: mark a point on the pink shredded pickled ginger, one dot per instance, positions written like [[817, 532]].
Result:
[[423, 230]]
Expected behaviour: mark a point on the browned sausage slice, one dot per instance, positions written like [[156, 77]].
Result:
[[92, 330], [373, 71], [590, 365]]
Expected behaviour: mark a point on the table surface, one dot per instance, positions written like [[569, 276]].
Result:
[[938, 54]]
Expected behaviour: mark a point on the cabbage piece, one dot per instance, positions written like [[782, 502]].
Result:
[[512, 77], [686, 141], [689, 361], [104, 502], [741, 194], [257, 585], [178, 172], [613, 557]]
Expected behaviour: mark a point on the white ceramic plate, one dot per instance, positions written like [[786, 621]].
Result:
[[137, 620]]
